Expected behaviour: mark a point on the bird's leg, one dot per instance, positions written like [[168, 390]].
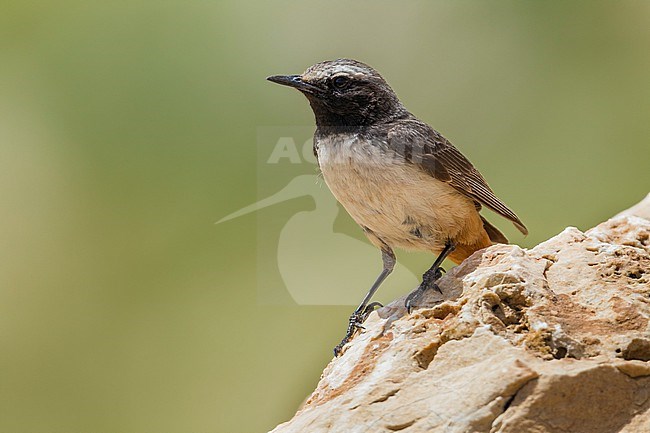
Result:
[[364, 309], [430, 277]]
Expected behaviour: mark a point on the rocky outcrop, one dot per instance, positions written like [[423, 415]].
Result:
[[551, 339]]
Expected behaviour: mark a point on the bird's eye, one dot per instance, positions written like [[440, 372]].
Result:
[[340, 82]]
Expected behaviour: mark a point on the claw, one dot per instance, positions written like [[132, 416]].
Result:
[[409, 300], [369, 309], [417, 293], [355, 322], [430, 277]]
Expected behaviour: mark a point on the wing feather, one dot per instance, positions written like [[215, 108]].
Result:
[[427, 148]]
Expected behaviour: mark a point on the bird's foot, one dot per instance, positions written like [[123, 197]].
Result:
[[355, 322], [428, 282]]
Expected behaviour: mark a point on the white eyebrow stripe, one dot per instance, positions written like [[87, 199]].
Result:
[[350, 70]]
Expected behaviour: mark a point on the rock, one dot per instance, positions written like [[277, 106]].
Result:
[[552, 339]]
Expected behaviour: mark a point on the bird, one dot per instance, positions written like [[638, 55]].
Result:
[[400, 180]]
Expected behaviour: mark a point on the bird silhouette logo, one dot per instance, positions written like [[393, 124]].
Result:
[[317, 265]]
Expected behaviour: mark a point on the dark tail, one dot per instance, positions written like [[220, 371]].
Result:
[[495, 235]]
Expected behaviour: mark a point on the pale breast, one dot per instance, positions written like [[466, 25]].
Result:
[[404, 206]]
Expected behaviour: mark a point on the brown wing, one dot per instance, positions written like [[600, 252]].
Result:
[[427, 148]]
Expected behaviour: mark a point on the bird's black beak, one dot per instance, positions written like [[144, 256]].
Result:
[[294, 81]]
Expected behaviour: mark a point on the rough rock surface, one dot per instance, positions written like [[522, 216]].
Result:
[[552, 339]]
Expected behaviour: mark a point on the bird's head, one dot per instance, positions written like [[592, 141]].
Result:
[[345, 92]]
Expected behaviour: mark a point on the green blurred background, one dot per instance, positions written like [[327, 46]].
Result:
[[128, 128]]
